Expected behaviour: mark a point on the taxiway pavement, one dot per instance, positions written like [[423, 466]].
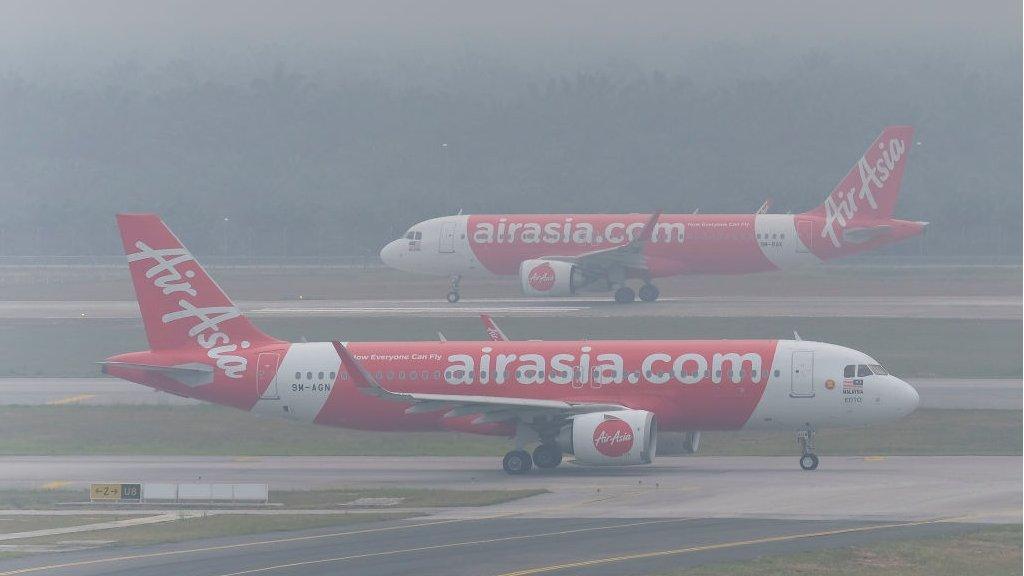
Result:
[[956, 307]]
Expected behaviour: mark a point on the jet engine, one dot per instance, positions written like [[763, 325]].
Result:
[[616, 438], [549, 278]]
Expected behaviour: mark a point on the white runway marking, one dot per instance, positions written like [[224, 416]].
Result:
[[435, 310]]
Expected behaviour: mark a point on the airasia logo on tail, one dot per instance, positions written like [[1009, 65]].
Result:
[[613, 437], [542, 278]]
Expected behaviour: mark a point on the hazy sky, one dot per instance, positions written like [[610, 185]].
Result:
[[53, 38]]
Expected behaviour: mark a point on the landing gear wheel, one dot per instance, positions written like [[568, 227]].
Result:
[[649, 292], [517, 462], [625, 295], [453, 288], [809, 462], [805, 438], [547, 456]]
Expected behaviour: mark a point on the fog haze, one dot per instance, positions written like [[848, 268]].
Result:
[[323, 128]]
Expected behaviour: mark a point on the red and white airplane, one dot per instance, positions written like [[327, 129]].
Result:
[[563, 254], [603, 401]]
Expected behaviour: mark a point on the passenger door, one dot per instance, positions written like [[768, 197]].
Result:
[[802, 375], [446, 242]]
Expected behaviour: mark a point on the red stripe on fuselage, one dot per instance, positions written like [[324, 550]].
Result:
[[682, 243], [704, 404]]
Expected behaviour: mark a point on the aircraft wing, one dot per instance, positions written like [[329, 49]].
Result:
[[488, 408], [493, 332], [629, 255]]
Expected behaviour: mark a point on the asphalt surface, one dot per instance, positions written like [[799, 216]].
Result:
[[935, 393], [476, 547], [983, 488], [998, 307]]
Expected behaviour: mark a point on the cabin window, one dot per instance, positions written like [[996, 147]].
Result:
[[309, 375], [401, 374], [320, 376], [437, 374], [777, 373], [344, 375], [412, 375], [298, 375], [332, 375]]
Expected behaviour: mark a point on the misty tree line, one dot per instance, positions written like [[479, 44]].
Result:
[[292, 162]]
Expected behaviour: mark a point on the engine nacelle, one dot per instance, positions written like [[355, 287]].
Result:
[[614, 438], [549, 278]]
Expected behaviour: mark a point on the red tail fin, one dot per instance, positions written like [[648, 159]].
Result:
[[182, 307], [869, 191]]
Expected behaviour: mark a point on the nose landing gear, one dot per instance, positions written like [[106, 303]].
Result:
[[805, 437], [453, 289]]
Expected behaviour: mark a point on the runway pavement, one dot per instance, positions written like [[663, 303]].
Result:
[[983, 488], [956, 307], [935, 393], [500, 546]]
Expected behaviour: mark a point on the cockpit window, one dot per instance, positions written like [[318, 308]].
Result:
[[850, 371], [877, 369], [863, 370]]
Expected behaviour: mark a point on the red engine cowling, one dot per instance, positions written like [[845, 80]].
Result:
[[616, 438], [549, 278]]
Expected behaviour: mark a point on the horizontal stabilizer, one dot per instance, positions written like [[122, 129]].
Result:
[[191, 375]]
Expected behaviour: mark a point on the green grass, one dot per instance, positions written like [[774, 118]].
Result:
[[923, 433], [908, 347], [20, 523], [214, 527], [993, 551], [22, 499], [214, 430], [411, 497]]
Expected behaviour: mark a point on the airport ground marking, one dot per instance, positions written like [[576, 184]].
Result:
[[721, 546], [453, 545], [71, 399], [149, 555]]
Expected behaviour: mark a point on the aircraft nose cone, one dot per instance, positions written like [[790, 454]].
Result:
[[910, 399], [389, 253]]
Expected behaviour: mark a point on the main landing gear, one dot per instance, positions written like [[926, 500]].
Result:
[[517, 462], [453, 289], [648, 293], [545, 456], [805, 437]]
